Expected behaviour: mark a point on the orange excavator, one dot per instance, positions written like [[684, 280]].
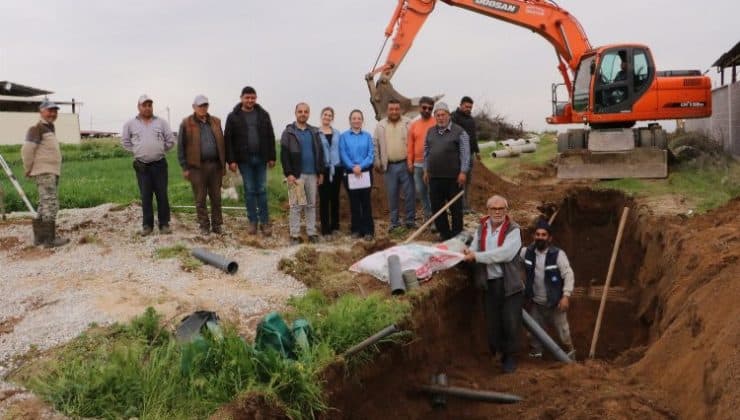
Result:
[[610, 88]]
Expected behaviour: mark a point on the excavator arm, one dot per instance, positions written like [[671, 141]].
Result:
[[544, 17]]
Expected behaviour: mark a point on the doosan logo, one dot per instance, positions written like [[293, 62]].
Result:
[[498, 5]]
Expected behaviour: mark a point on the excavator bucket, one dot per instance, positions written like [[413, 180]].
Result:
[[383, 91]]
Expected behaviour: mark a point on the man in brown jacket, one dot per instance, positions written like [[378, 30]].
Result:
[[202, 156], [42, 161]]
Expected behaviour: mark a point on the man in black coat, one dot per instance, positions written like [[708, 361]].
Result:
[[463, 116]]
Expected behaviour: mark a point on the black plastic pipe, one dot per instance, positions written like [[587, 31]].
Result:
[[471, 394], [215, 260], [545, 339], [385, 332]]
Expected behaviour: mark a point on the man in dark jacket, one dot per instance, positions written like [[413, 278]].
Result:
[[202, 155], [495, 248], [250, 145], [463, 116], [302, 158]]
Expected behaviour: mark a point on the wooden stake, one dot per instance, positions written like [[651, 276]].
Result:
[[552, 218], [431, 219], [609, 274]]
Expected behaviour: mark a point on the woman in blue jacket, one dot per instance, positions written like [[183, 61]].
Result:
[[333, 174], [357, 152]]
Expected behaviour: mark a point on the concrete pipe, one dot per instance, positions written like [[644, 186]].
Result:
[[508, 152], [526, 148], [517, 142], [471, 394], [385, 332], [545, 339], [398, 287], [410, 279], [218, 261]]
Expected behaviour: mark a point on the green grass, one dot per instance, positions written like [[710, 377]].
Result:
[[511, 167], [100, 172], [139, 370], [182, 253]]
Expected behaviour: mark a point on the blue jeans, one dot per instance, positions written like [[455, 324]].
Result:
[[422, 191], [254, 175], [397, 182]]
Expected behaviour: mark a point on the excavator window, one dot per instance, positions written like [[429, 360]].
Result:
[[582, 84], [613, 84], [641, 69]]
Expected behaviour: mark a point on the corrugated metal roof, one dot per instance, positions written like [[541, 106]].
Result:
[[730, 58], [8, 88]]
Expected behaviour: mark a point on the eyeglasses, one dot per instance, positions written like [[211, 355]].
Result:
[[497, 209]]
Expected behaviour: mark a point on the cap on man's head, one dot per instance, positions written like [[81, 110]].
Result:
[[200, 100], [47, 104], [542, 224], [144, 98], [441, 106]]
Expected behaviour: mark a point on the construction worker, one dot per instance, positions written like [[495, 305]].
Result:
[[549, 284], [149, 138], [302, 158], [463, 116], [418, 130], [42, 161], [495, 248], [446, 164], [250, 145], [391, 155], [202, 156]]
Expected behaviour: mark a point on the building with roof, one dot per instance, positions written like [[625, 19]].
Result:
[[19, 110], [724, 124]]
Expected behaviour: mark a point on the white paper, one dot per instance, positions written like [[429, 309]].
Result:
[[356, 183]]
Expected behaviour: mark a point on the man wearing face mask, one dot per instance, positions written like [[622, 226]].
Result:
[[549, 284]]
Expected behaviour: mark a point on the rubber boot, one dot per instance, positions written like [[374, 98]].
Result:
[[39, 235], [51, 240]]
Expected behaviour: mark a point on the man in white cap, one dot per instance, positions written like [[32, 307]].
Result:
[[446, 163], [202, 156], [42, 161], [149, 138]]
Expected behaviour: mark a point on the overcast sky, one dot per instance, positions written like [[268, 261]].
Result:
[[106, 53]]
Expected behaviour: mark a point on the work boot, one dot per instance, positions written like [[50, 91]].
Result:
[[39, 235], [266, 229], [508, 363], [51, 239], [252, 229], [146, 231], [217, 229], [313, 239], [205, 231], [165, 230]]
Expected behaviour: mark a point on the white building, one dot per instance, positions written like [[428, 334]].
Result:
[[19, 110]]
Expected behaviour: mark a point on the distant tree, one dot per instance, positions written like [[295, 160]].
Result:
[[494, 126]]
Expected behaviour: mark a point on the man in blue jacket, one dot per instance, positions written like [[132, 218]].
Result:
[[549, 284]]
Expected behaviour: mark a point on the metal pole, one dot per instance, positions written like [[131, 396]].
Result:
[[385, 332], [471, 394], [609, 274], [17, 185]]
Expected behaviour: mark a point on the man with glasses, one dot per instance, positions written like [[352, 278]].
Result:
[[446, 163], [495, 250], [415, 152], [202, 155]]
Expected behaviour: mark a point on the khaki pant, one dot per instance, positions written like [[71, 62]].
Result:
[[550, 316], [311, 188], [47, 185], [206, 182]]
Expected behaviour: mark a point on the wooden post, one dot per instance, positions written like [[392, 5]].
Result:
[[431, 219], [609, 274]]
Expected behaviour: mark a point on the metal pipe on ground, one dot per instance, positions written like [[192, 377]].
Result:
[[395, 275], [545, 339], [215, 260], [385, 332], [471, 394], [525, 148]]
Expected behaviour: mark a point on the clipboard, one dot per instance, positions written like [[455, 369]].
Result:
[[358, 183]]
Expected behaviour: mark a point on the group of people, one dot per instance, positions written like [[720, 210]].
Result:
[[429, 159], [498, 257]]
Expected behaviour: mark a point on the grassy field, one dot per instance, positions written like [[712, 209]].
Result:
[[704, 183], [100, 172], [140, 370]]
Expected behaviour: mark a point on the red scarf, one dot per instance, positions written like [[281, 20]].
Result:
[[484, 232]]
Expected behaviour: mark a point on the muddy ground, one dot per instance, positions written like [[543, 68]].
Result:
[[668, 347]]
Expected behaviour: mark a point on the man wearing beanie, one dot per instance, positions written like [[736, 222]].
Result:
[[446, 163], [549, 284]]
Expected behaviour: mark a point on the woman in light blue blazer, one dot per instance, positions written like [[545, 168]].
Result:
[[333, 174]]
